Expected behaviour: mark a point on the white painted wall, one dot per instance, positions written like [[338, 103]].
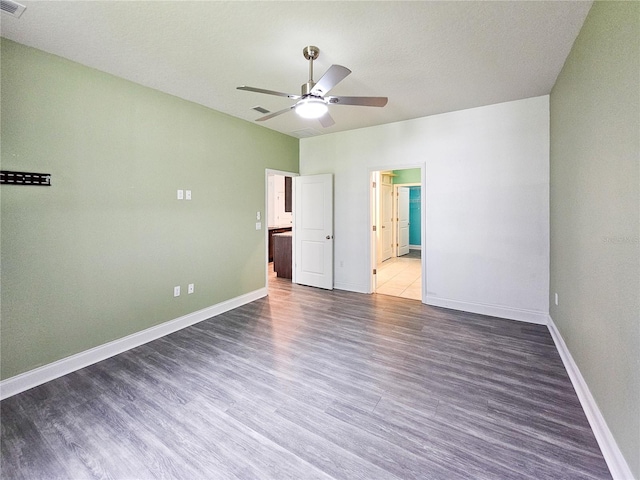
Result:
[[487, 203], [277, 216]]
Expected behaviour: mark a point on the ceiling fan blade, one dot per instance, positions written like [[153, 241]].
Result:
[[326, 120], [361, 101], [330, 79], [275, 114], [268, 92]]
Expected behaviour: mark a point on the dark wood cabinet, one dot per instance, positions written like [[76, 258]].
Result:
[[272, 231], [282, 252]]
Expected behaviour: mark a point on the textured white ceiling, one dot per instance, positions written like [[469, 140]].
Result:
[[427, 57]]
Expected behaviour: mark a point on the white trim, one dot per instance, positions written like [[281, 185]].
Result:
[[423, 233], [38, 376], [374, 220], [415, 247], [501, 311], [613, 456]]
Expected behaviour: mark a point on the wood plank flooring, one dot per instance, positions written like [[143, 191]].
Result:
[[310, 384]]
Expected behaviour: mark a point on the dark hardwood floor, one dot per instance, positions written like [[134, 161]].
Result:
[[311, 384]]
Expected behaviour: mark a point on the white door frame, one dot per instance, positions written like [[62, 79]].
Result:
[[423, 227], [374, 216], [265, 218]]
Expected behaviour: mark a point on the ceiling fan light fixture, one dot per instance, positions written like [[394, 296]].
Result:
[[312, 102], [311, 108]]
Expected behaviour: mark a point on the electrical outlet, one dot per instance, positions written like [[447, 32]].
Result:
[[190, 289], [176, 291], [257, 215], [180, 194], [187, 194]]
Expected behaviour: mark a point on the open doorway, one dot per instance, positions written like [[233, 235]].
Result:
[[397, 233], [279, 222]]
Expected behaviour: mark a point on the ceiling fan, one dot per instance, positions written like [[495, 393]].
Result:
[[312, 103]]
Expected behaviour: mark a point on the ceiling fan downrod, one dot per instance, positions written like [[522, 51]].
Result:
[[310, 52]]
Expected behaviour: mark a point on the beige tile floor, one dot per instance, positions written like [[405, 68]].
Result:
[[400, 277]]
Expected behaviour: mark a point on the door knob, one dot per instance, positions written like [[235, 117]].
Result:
[[328, 237]]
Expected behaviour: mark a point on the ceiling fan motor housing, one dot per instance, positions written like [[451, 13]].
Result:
[[307, 87]]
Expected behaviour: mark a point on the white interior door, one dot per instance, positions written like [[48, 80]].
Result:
[[386, 221], [313, 230], [403, 221]]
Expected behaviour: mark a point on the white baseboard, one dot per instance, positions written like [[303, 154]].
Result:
[[38, 376], [610, 451], [415, 247], [510, 313]]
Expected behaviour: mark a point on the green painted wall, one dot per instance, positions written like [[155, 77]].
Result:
[[409, 175], [95, 257], [595, 214]]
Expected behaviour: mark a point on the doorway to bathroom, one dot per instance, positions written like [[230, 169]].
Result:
[[397, 233]]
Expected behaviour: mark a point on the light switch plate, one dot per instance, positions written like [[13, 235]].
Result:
[[190, 289], [180, 194], [176, 291], [258, 225], [187, 194]]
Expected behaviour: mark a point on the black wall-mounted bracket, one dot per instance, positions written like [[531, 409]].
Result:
[[24, 178]]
